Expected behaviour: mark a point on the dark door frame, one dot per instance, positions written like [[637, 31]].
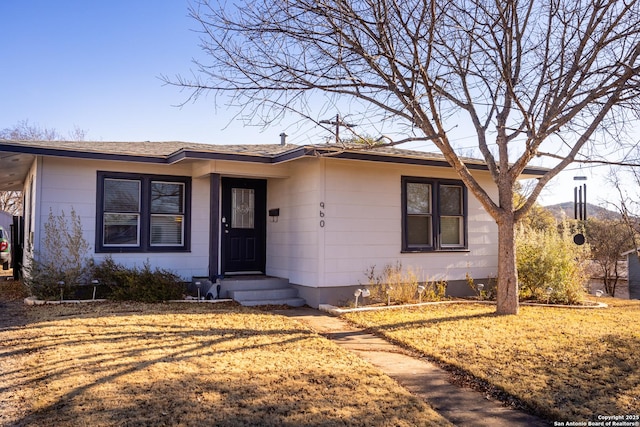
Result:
[[218, 248], [215, 240]]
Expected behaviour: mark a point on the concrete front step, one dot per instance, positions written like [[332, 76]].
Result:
[[291, 302], [260, 290], [241, 283], [270, 294]]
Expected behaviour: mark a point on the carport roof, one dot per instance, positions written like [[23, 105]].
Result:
[[17, 156]]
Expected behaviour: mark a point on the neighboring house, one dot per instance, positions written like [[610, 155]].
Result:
[[633, 272], [317, 216], [6, 219]]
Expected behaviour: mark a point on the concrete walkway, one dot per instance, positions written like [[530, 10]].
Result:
[[461, 406]]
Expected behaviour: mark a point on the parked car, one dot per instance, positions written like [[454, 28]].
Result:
[[5, 249]]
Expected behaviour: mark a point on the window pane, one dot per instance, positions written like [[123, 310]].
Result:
[[242, 207], [121, 195], [450, 200], [121, 229], [418, 198], [167, 230], [419, 230], [167, 197], [451, 231]]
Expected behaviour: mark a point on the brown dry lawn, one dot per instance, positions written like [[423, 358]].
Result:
[[565, 364], [119, 364]]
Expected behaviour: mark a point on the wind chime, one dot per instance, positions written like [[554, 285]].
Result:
[[580, 206]]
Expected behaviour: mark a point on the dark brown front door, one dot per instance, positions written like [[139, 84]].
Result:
[[244, 217]]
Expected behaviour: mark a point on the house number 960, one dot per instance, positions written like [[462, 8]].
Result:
[[322, 214]]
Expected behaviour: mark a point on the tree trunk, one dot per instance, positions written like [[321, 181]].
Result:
[[507, 271], [606, 279], [615, 277]]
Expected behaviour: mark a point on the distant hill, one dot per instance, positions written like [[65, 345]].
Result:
[[565, 209]]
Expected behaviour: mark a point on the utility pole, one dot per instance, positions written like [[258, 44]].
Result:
[[337, 122]]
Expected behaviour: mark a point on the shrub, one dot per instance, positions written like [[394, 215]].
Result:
[[401, 285], [435, 290], [485, 292], [134, 284], [63, 258], [551, 268], [110, 273]]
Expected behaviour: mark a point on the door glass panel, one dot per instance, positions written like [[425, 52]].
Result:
[[242, 207]]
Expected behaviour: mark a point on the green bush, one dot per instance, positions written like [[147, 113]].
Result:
[[135, 284], [551, 268]]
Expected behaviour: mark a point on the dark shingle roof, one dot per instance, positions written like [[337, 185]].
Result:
[[149, 148], [167, 149], [169, 152]]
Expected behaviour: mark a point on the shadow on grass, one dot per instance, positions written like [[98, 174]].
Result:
[[181, 351], [221, 401], [384, 327], [564, 365], [605, 382], [192, 365]]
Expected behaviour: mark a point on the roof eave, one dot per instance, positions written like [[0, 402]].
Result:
[[411, 160], [276, 158], [77, 154]]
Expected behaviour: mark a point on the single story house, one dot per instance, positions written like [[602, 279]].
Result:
[[315, 216]]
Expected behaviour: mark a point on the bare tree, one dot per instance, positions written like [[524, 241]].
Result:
[[25, 131], [532, 78], [626, 181], [11, 201], [609, 239]]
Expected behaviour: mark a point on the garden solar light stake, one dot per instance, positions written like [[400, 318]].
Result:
[[356, 294]]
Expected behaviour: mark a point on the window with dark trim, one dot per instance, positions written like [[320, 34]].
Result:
[[142, 213], [434, 215]]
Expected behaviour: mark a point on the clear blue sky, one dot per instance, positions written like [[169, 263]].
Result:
[[95, 65]]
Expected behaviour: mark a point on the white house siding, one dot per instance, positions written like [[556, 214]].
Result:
[[67, 184], [337, 218], [363, 227], [292, 242], [278, 236]]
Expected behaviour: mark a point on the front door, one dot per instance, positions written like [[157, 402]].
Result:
[[244, 220]]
